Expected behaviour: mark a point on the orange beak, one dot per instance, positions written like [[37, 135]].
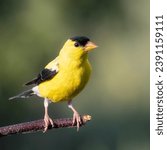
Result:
[[90, 46]]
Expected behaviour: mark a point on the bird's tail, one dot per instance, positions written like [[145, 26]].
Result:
[[25, 94]]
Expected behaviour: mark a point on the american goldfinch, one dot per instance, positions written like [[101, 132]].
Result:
[[64, 77]]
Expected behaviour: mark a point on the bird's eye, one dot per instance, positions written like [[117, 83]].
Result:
[[76, 44]]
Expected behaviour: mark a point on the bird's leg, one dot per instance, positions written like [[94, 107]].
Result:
[[76, 116], [47, 119]]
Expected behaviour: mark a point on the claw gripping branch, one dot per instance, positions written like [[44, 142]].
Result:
[[37, 125]]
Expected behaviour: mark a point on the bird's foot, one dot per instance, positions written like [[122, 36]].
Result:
[[47, 121], [77, 119]]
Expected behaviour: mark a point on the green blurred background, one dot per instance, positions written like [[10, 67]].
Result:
[[117, 96]]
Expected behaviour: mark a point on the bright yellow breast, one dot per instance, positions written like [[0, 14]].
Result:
[[68, 82]]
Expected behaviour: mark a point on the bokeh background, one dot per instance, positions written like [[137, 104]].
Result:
[[117, 96]]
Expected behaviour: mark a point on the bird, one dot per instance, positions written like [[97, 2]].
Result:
[[63, 78]]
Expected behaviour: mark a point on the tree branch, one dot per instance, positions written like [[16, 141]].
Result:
[[37, 125]]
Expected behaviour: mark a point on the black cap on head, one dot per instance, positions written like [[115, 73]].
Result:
[[81, 40]]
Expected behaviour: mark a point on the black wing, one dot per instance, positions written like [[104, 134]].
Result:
[[44, 75]]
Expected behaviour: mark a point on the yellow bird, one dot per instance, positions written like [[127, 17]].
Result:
[[64, 77]]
